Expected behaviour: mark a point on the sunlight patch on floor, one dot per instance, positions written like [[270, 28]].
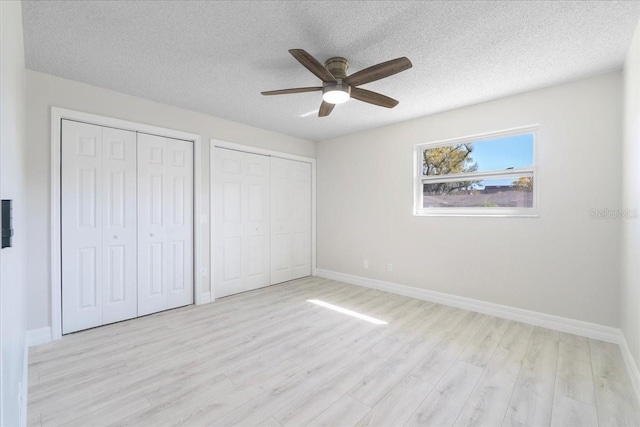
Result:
[[348, 312]]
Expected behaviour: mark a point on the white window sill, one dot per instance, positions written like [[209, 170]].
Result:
[[495, 213]]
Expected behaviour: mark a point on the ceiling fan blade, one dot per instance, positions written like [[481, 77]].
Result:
[[325, 109], [312, 64], [373, 97], [377, 72], [294, 90]]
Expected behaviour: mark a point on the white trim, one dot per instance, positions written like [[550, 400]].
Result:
[[213, 143], [479, 136], [212, 291], [199, 296], [632, 368], [314, 266], [63, 113], [205, 297], [56, 237], [256, 150], [38, 336], [57, 114], [549, 321], [197, 203], [482, 212]]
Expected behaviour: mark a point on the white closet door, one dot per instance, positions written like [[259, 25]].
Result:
[[241, 221], [165, 223], [291, 220], [119, 230], [81, 217], [256, 221], [179, 232], [98, 226], [152, 211]]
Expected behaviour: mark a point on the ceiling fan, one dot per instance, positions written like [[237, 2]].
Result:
[[337, 87]]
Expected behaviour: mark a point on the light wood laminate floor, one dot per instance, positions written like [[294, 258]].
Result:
[[272, 358]]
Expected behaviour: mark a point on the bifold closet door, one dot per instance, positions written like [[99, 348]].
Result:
[[98, 215], [241, 221], [290, 220], [165, 223]]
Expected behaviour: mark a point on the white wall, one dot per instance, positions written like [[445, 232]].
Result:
[[12, 186], [630, 296], [562, 263], [44, 91]]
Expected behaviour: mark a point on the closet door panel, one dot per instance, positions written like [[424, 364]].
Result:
[[119, 231], [229, 246], [291, 220], [256, 221], [165, 223], [300, 219], [152, 213], [280, 221], [227, 193], [82, 218], [179, 175], [241, 221]]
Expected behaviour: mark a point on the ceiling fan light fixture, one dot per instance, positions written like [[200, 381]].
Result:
[[338, 87], [336, 93]]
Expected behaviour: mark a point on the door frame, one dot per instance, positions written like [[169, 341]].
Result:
[[57, 115], [213, 143]]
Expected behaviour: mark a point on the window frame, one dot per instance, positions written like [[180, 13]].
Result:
[[419, 179]]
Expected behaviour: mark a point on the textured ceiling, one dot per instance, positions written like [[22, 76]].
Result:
[[216, 57]]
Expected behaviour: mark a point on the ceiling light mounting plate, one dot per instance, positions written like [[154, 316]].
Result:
[[337, 66]]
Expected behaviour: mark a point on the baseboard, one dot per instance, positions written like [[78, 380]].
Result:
[[38, 336], [549, 321], [632, 368], [203, 298]]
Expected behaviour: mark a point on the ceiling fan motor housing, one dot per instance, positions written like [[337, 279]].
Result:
[[337, 66], [338, 92]]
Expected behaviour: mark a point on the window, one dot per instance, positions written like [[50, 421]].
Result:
[[484, 175]]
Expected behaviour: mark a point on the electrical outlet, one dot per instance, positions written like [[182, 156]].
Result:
[[365, 265], [389, 267]]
